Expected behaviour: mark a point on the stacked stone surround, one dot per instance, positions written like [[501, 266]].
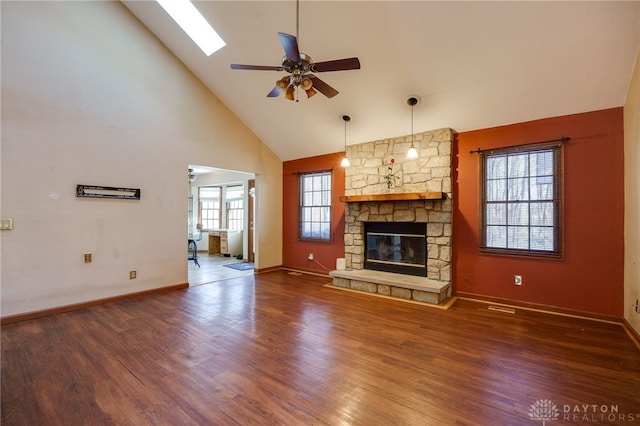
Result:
[[430, 172]]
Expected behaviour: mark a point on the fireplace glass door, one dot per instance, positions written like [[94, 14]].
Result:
[[396, 247]]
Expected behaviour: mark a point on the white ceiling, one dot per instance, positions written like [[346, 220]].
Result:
[[473, 64]]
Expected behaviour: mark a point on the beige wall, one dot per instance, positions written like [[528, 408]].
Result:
[[632, 199], [89, 96]]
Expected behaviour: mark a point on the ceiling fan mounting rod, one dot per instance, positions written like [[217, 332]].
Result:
[[297, 20]]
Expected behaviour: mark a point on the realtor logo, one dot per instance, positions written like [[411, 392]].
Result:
[[543, 410]]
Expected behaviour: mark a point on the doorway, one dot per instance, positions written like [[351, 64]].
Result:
[[220, 220]]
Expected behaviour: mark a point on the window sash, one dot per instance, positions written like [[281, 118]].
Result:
[[315, 206], [521, 200]]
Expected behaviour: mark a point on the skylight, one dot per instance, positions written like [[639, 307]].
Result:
[[194, 24]]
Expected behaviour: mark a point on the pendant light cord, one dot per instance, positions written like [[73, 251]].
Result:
[[345, 161], [345, 118], [412, 126]]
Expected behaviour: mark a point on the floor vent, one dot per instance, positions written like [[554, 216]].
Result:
[[502, 309]]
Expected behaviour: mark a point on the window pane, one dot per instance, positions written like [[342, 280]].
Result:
[[496, 214], [541, 238], [315, 230], [518, 214], [326, 198], [325, 231], [496, 167], [497, 236], [518, 237], [542, 163], [518, 189], [542, 214], [518, 165], [541, 188], [307, 199], [325, 214], [497, 190]]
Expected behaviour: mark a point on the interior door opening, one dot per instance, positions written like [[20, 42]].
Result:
[[220, 223]]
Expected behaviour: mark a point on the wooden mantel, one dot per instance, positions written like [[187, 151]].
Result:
[[407, 196]]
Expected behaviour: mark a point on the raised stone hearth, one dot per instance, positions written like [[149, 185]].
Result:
[[401, 286]]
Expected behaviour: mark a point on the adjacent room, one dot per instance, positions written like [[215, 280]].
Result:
[[327, 213], [220, 218]]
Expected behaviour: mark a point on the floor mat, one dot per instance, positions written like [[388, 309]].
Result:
[[240, 266]]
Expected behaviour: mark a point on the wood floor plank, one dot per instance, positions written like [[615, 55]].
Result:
[[278, 348]]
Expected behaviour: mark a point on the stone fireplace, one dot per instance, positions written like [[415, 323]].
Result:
[[420, 194]]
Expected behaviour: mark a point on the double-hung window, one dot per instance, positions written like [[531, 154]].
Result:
[[315, 206], [234, 196], [521, 200], [209, 207]]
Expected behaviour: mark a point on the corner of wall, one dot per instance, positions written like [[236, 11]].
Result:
[[632, 201]]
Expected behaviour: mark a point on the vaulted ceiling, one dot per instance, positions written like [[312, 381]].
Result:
[[473, 64]]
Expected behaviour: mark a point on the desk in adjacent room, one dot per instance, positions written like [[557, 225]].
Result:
[[223, 241]]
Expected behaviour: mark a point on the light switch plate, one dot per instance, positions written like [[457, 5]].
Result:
[[6, 223]]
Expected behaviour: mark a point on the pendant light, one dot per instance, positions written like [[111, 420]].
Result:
[[345, 161], [413, 152]]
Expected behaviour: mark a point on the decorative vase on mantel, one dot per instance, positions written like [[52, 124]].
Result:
[[390, 177]]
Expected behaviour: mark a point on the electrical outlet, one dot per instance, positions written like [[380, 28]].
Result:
[[87, 258], [132, 275], [637, 306], [310, 257], [517, 279]]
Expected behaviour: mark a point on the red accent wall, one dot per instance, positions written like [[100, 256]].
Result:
[[294, 251], [590, 277]]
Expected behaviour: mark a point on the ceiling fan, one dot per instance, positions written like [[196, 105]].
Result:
[[300, 68]]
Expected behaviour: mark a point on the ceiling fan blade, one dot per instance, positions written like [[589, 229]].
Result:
[[290, 46], [274, 93], [323, 87], [255, 67], [336, 65]]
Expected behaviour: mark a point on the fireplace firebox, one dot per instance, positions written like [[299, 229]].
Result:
[[399, 247]]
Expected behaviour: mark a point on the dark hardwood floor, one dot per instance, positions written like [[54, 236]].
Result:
[[278, 348]]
